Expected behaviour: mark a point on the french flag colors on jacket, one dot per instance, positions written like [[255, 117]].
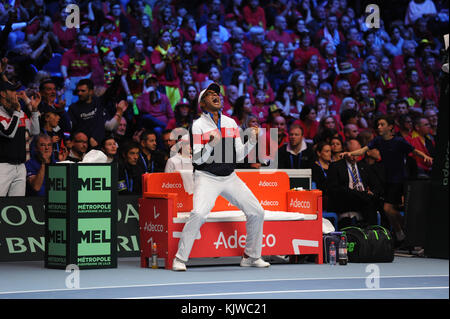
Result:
[[219, 160]]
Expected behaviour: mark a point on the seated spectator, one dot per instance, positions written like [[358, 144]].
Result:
[[110, 32], [213, 24], [351, 131], [279, 73], [336, 148], [182, 160], [150, 159], [109, 146], [401, 107], [260, 108], [421, 140], [432, 117], [286, 100], [51, 102], [230, 99], [169, 139], [41, 156], [408, 50], [130, 173], [254, 14], [352, 116], [51, 128], [236, 64], [242, 109], [405, 126], [183, 116], [154, 107], [353, 187], [330, 32], [308, 122], [322, 109], [304, 52], [120, 132], [78, 146], [259, 81], [280, 34], [296, 153], [320, 167], [254, 46]]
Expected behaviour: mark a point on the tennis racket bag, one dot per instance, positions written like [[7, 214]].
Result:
[[373, 244]]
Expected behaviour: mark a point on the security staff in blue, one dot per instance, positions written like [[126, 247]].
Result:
[[214, 175]]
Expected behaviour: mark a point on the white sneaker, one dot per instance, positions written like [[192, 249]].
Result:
[[254, 262], [178, 265]]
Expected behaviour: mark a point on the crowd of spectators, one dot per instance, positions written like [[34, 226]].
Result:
[[131, 73]]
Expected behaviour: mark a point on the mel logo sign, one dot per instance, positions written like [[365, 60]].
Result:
[[93, 186], [93, 239], [57, 184]]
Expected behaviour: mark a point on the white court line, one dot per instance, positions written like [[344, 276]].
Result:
[[286, 292], [212, 282]]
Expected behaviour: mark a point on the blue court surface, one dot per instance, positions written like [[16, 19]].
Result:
[[223, 278]]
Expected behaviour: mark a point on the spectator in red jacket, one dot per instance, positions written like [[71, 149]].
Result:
[[77, 64], [155, 109], [254, 14], [421, 140], [304, 52], [279, 33]]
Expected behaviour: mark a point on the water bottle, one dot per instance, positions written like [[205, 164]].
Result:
[[343, 251], [332, 254], [154, 256]]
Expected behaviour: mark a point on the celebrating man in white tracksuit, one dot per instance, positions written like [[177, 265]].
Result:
[[216, 146]]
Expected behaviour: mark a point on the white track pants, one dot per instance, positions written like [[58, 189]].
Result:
[[207, 188]]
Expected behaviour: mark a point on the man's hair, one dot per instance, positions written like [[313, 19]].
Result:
[[44, 82], [347, 142], [389, 119], [87, 82], [145, 135], [75, 133], [347, 115], [295, 126], [321, 145], [399, 101], [129, 146], [106, 138], [417, 120], [42, 136], [36, 139]]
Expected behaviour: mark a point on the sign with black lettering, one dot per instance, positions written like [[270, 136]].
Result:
[[81, 230], [22, 229]]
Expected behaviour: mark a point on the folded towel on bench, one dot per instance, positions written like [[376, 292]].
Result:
[[239, 216]]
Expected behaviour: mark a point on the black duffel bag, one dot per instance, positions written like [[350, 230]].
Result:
[[373, 244]]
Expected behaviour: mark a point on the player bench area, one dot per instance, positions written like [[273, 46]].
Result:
[[292, 222]]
